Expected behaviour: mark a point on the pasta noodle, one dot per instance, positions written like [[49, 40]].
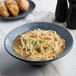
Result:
[[39, 45]]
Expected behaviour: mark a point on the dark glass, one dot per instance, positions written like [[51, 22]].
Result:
[[71, 18], [61, 10]]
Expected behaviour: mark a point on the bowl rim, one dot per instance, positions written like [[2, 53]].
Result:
[[39, 61]]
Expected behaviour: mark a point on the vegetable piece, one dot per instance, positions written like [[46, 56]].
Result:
[[52, 43], [24, 40], [34, 43], [32, 33], [55, 50]]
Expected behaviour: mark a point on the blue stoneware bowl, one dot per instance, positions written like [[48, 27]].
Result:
[[63, 32]]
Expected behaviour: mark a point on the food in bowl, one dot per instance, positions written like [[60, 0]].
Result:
[[39, 45]]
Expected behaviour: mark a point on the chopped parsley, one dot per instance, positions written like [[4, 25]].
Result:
[[34, 43], [55, 50], [24, 40], [52, 43], [40, 44], [32, 33], [29, 40]]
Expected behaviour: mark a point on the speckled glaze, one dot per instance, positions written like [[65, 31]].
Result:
[[63, 32], [21, 14]]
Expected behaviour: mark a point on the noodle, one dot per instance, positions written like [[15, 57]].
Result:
[[39, 45]]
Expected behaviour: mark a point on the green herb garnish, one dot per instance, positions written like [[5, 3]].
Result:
[[44, 39], [45, 50], [29, 40], [34, 43], [32, 33], [49, 45], [52, 43], [40, 44], [24, 40], [55, 50], [42, 34], [41, 39], [38, 54]]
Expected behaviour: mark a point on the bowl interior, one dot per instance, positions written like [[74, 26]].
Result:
[[42, 25]]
